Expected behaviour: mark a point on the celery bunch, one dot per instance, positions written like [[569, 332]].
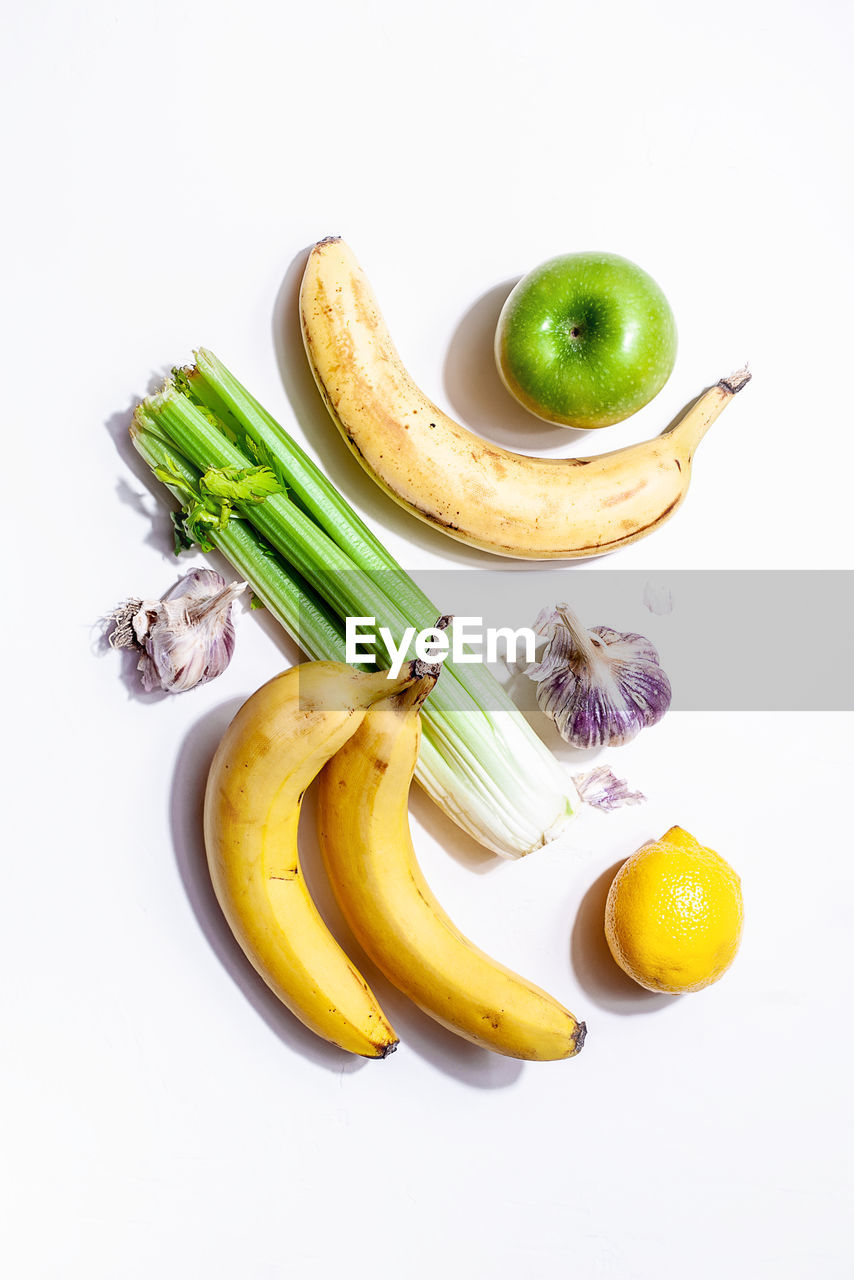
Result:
[[247, 489]]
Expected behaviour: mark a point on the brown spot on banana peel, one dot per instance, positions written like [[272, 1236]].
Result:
[[624, 495], [632, 533], [432, 518]]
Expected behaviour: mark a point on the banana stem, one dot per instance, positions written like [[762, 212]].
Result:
[[695, 422], [736, 381], [378, 685], [412, 698]]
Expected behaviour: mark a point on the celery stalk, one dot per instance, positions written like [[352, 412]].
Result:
[[260, 436], [289, 599], [480, 760]]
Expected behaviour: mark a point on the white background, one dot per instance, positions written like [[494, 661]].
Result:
[[166, 167]]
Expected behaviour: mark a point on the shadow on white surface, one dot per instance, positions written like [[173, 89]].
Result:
[[446, 833], [442, 1049], [474, 388], [159, 534], [129, 673], [186, 810], [594, 966]]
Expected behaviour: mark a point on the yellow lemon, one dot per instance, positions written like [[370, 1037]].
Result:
[[674, 914]]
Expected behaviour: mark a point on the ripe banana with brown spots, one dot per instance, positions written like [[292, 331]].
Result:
[[365, 840], [475, 491], [277, 743]]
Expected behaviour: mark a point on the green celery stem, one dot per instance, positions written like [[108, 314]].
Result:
[[479, 758]]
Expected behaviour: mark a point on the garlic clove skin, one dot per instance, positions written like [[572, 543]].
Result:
[[603, 790], [184, 639], [599, 686]]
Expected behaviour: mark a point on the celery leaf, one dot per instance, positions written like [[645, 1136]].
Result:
[[240, 484]]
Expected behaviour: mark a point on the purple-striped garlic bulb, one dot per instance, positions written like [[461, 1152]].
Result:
[[599, 686]]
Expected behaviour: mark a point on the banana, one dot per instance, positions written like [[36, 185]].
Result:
[[279, 740], [363, 829], [475, 491]]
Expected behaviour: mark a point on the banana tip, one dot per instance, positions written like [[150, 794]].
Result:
[[579, 1035]]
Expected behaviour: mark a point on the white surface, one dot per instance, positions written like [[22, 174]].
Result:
[[167, 167]]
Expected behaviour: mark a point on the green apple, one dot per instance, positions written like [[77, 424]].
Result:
[[585, 340]]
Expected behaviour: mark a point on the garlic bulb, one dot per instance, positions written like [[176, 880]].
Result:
[[184, 639], [600, 686]]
